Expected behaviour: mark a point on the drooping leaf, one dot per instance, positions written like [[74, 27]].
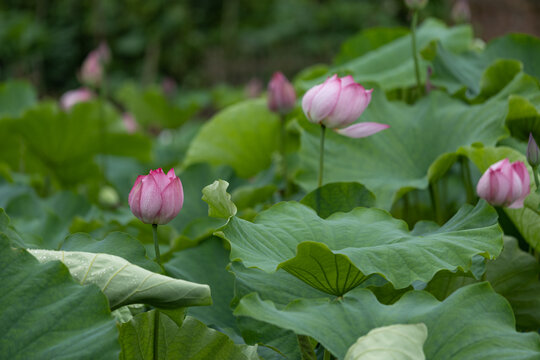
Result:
[[124, 283], [398, 342], [243, 136], [473, 323], [419, 145], [47, 315], [337, 254], [219, 200], [334, 197], [189, 340]]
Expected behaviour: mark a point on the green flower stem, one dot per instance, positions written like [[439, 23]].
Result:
[[436, 201], [535, 173], [321, 157], [327, 355], [305, 348], [466, 172], [156, 334], [102, 94], [283, 151], [156, 243], [415, 55]]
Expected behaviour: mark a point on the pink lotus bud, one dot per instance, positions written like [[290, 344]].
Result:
[[505, 184], [461, 11], [156, 198], [168, 85], [338, 102], [92, 67], [281, 95], [73, 97], [129, 122]]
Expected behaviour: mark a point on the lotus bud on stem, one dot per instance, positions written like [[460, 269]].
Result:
[[533, 158]]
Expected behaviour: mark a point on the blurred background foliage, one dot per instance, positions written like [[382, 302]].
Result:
[[198, 43]]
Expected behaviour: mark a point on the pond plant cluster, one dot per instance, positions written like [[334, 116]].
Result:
[[385, 206]]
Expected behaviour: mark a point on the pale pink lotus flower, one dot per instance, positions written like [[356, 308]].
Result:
[[281, 94], [337, 103], [505, 184], [73, 97], [93, 66], [156, 198], [461, 11], [129, 122], [169, 87]]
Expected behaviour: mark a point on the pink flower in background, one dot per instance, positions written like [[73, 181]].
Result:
[[505, 184], [168, 85], [73, 97], [281, 94], [92, 67], [254, 88], [129, 122], [156, 198], [338, 102]]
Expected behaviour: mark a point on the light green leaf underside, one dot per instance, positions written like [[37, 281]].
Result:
[[219, 200], [396, 342], [124, 283], [473, 323], [333, 255], [243, 136], [47, 315], [187, 340]]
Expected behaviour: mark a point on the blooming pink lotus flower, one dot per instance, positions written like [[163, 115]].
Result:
[[338, 102], [92, 67], [505, 184], [156, 198], [281, 94], [73, 97]]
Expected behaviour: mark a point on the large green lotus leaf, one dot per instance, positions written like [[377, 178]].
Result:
[[206, 263], [115, 243], [189, 340], [337, 254], [334, 197], [472, 323], [514, 274], [243, 136], [7, 228], [523, 117], [64, 144], [16, 97], [47, 315], [368, 40], [397, 342], [454, 71], [151, 107], [44, 223], [400, 158], [391, 65], [124, 283]]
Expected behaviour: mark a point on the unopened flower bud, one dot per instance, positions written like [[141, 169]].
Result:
[[533, 157], [416, 4]]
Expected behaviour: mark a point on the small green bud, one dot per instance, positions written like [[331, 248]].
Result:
[[108, 197], [533, 157]]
